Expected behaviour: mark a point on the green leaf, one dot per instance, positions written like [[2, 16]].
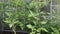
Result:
[[32, 33], [37, 18], [30, 26], [21, 24], [32, 4], [7, 21], [44, 29], [39, 30], [10, 25], [56, 31], [43, 22], [8, 14], [31, 14]]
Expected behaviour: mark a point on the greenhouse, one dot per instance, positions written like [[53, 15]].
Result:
[[29, 16]]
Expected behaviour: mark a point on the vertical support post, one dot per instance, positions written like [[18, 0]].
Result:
[[51, 15], [3, 18], [37, 6]]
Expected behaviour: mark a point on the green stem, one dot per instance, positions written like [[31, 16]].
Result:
[[14, 29]]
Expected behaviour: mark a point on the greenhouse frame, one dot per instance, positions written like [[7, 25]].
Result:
[[29, 16]]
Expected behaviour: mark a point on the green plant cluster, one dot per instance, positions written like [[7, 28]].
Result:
[[30, 15]]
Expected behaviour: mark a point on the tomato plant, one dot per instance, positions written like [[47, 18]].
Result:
[[30, 15]]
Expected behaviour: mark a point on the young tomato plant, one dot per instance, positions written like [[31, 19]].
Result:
[[31, 16]]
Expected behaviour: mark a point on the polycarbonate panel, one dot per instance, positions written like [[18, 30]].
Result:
[[56, 11]]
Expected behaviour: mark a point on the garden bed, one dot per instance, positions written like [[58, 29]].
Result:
[[11, 32]]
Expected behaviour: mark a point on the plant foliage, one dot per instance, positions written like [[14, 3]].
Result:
[[30, 15]]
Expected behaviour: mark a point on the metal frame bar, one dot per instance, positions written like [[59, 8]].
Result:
[[51, 11]]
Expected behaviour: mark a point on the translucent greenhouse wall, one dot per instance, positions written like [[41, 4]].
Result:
[[56, 10], [52, 11]]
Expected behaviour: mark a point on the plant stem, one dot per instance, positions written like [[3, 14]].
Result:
[[14, 29]]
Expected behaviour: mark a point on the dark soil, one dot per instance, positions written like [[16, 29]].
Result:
[[11, 32]]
